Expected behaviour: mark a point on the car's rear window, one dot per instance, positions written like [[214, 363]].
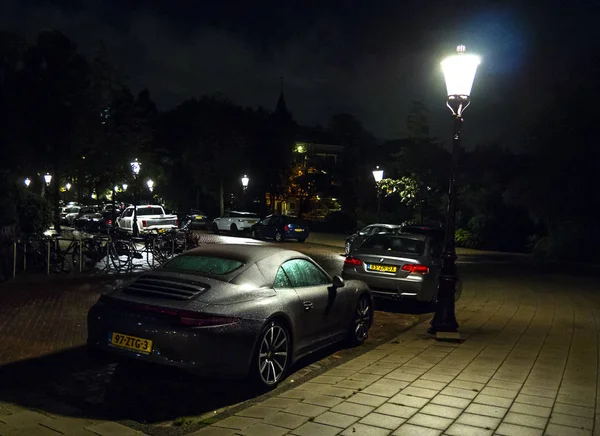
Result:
[[217, 266], [149, 211], [244, 215], [395, 244]]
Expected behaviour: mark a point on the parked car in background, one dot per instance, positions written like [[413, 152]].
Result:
[[100, 222], [280, 228], [196, 218], [235, 221], [70, 214], [355, 240], [150, 218], [398, 266], [232, 310]]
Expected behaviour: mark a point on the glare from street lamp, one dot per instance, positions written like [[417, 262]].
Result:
[[116, 188], [48, 178], [245, 181], [459, 72], [124, 186], [378, 174], [136, 167], [150, 184], [68, 186], [27, 182]]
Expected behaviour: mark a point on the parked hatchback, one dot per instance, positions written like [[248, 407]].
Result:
[[280, 228], [355, 240]]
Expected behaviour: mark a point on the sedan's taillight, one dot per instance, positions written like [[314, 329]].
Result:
[[352, 261], [415, 268], [202, 320], [286, 228]]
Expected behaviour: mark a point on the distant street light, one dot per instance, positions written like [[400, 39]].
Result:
[[459, 73], [48, 178], [27, 182], [245, 181], [378, 176], [68, 186], [124, 186], [150, 184], [136, 166]]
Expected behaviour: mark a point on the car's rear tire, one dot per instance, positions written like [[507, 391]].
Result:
[[215, 229], [278, 236], [361, 321], [234, 229], [271, 356], [254, 234]]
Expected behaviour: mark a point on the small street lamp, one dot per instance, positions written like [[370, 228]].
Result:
[[68, 186], [150, 184], [136, 166], [459, 73], [378, 176], [245, 181], [27, 182], [124, 186], [48, 178]]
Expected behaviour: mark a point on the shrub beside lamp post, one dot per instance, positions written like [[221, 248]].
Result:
[[459, 73]]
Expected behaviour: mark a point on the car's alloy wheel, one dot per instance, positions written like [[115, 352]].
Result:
[[278, 236], [347, 248], [273, 352], [215, 229], [362, 321]]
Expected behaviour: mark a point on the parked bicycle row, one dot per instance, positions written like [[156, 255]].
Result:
[[113, 251]]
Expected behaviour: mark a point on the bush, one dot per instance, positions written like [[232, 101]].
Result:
[[340, 222], [34, 213], [466, 239], [569, 241]]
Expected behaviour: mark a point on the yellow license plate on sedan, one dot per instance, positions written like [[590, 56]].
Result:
[[198, 217], [133, 343], [382, 268], [299, 230]]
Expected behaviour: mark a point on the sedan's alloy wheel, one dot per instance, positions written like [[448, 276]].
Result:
[[273, 354], [362, 319], [278, 236]]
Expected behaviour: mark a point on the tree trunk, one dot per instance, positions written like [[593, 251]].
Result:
[[221, 198], [113, 215], [56, 180], [197, 197]]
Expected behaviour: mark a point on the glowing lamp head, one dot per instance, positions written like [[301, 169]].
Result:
[[47, 178], [245, 181], [68, 186], [459, 72], [124, 186], [27, 182], [378, 174], [136, 167], [150, 184]]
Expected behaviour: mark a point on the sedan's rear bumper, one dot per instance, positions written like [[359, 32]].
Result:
[[223, 351], [292, 234], [395, 288]]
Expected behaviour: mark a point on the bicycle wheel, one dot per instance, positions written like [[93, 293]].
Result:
[[59, 263], [120, 254]]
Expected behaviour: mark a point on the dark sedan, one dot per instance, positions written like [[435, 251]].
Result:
[[355, 240], [280, 228], [231, 310]]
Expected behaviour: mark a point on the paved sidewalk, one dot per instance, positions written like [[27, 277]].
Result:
[[527, 366]]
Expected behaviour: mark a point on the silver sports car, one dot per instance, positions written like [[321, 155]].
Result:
[[231, 310]]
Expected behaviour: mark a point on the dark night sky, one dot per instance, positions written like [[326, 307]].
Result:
[[368, 58]]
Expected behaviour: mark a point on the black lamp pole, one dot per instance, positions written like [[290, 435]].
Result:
[[459, 71]]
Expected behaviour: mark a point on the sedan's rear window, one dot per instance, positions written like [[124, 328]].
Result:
[[396, 244], [149, 211], [203, 264]]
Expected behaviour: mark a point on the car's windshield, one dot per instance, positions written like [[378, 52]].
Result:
[[72, 209], [149, 211], [395, 244], [244, 215], [203, 264]]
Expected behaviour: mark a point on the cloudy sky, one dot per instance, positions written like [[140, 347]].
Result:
[[370, 58]]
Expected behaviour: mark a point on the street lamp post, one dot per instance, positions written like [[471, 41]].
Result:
[[378, 176], [459, 73], [136, 166]]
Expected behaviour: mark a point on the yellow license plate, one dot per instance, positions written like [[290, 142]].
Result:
[[198, 217], [299, 230], [131, 343], [382, 268], [161, 230]]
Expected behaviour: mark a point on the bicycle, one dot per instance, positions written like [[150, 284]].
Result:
[[43, 253]]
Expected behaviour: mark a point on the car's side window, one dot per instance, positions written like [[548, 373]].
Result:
[[128, 213], [366, 231], [265, 222], [281, 280], [226, 215], [303, 273]]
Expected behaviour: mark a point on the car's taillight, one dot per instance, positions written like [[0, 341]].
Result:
[[176, 223], [286, 228], [352, 261], [415, 268], [144, 223], [109, 222], [202, 320]]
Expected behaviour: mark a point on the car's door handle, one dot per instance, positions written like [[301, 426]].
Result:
[[308, 305]]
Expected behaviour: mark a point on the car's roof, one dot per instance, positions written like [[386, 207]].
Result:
[[244, 213], [261, 262], [389, 226]]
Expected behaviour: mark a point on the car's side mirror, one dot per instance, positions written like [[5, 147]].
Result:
[[338, 282]]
